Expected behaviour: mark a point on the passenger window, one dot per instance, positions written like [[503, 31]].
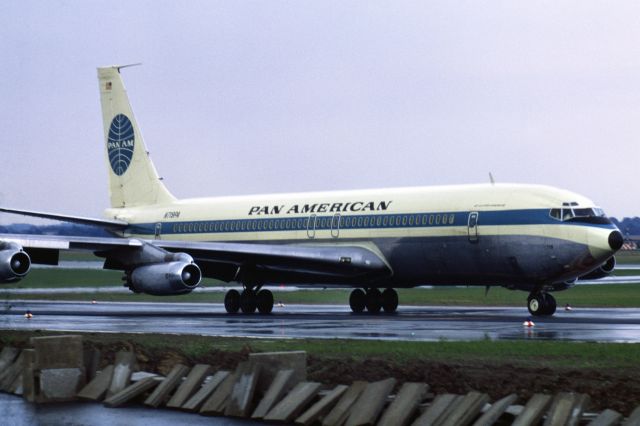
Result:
[[378, 221], [366, 222], [452, 218], [398, 219], [437, 219], [424, 219], [404, 220], [385, 221], [360, 222], [347, 221], [430, 219], [411, 220]]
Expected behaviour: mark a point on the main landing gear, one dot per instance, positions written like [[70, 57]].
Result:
[[541, 303], [373, 300], [248, 301]]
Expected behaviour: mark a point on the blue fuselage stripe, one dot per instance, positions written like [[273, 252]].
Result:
[[347, 222]]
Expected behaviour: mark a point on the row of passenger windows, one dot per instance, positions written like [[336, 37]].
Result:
[[300, 224]]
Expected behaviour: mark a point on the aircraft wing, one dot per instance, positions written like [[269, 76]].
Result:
[[108, 224], [222, 260]]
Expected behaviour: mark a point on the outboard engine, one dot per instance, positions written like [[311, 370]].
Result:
[[14, 263]]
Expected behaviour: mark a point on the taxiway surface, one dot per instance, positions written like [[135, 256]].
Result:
[[428, 323]]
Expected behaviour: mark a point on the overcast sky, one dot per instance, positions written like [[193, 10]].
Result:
[[239, 97]]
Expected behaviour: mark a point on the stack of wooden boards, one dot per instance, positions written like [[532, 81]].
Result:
[[272, 387]]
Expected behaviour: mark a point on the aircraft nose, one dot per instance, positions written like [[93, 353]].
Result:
[[615, 240]]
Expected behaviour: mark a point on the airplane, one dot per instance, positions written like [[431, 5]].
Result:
[[534, 238]]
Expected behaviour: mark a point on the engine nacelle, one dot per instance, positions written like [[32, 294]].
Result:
[[14, 263], [165, 279], [601, 271]]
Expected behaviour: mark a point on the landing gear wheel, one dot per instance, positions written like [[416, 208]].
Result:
[[232, 301], [535, 304], [357, 301], [264, 300], [389, 300], [541, 304], [374, 300], [550, 304], [248, 301]]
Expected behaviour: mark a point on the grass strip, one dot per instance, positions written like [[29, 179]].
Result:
[[523, 353]]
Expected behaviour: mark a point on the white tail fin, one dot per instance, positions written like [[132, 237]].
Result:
[[133, 180]]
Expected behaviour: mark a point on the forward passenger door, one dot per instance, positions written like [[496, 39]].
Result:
[[472, 227]]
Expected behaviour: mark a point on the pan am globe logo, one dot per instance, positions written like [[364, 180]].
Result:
[[120, 144]]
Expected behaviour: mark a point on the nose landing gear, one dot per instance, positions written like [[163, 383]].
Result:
[[541, 303]]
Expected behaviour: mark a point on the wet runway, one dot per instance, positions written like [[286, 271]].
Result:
[[411, 323]]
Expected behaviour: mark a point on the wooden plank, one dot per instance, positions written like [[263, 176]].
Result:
[[606, 418], [10, 374], [195, 402], [130, 392], [282, 383], [217, 402], [295, 401], [96, 389], [322, 407], [562, 409], [373, 399], [341, 411], [466, 410], [437, 409], [122, 369], [533, 410], [634, 418], [496, 411], [161, 392], [28, 380], [193, 381], [240, 401], [580, 405], [405, 405], [7, 356]]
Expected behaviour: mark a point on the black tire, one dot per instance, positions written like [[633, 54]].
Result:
[[357, 301], [389, 300], [248, 302], [550, 304], [536, 304], [374, 300], [264, 300], [232, 301]]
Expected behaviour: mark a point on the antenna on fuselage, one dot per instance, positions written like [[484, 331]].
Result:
[[491, 179]]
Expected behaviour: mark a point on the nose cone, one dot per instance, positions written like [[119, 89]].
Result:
[[615, 240]]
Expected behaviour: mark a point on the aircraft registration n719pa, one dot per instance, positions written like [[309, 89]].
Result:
[[524, 237]]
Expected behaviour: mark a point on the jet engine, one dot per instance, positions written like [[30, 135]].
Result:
[[601, 271], [165, 279], [14, 262]]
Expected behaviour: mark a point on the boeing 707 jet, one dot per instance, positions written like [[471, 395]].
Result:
[[534, 238]]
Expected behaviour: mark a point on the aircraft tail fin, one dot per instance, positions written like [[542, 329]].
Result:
[[133, 179]]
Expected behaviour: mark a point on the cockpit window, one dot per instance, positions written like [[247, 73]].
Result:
[[568, 213]]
